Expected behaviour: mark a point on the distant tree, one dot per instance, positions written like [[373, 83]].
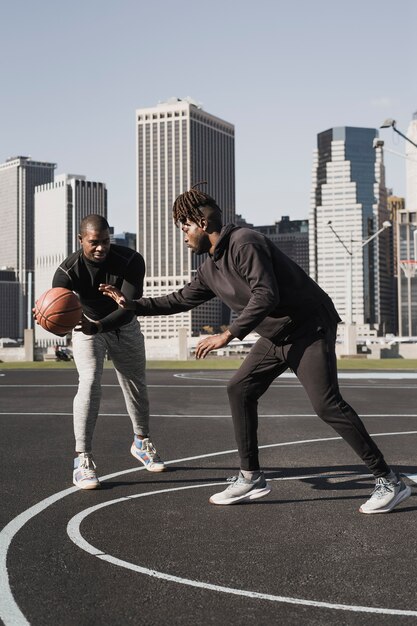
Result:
[[208, 330]]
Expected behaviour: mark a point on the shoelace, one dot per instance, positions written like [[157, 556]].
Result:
[[88, 466], [235, 480], [382, 487], [150, 449]]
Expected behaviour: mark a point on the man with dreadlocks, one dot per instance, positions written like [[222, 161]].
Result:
[[296, 321]]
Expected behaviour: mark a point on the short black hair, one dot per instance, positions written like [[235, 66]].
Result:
[[193, 205], [93, 222]]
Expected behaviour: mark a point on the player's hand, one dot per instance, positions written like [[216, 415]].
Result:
[[34, 315], [212, 342], [113, 292], [87, 326]]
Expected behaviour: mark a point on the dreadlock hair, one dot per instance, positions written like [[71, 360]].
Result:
[[195, 205], [93, 222]]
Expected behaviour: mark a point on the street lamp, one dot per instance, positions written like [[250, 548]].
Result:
[[390, 123], [350, 328]]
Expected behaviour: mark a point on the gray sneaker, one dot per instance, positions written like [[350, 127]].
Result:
[[389, 491], [242, 489]]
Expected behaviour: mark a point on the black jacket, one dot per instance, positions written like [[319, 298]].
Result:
[[123, 268], [269, 292]]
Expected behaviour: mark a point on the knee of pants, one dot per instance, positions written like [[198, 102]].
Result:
[[239, 389], [328, 408], [89, 383]]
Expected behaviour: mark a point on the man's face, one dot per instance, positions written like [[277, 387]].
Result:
[[95, 244], [195, 237]]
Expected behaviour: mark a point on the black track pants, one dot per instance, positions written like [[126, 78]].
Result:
[[311, 355]]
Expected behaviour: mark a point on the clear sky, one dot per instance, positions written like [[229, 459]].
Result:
[[73, 73]]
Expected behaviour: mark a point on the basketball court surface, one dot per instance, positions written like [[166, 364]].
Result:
[[149, 548]]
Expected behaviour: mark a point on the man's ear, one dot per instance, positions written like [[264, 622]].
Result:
[[204, 223], [80, 238]]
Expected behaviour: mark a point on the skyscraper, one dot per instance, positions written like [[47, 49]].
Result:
[[407, 277], [178, 145], [348, 205], [291, 236], [18, 178], [59, 208]]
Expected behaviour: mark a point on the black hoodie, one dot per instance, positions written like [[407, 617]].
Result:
[[268, 291]]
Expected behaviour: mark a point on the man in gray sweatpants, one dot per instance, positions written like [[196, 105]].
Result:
[[106, 329]]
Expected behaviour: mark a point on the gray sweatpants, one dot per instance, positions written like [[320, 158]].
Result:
[[126, 348]]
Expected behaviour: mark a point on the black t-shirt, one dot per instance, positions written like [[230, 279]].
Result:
[[124, 268]]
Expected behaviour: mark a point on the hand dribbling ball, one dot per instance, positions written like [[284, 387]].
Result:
[[58, 310]]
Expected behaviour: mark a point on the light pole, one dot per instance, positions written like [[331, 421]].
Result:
[[389, 123], [350, 328]]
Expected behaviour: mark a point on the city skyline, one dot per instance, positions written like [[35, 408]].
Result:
[[280, 75]]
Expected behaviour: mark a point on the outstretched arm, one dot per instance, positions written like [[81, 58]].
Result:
[[206, 345], [190, 296], [118, 297]]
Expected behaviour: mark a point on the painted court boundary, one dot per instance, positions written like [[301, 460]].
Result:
[[73, 530], [12, 615]]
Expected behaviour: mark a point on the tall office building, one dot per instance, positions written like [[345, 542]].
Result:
[[291, 236], [348, 205], [59, 208], [411, 165], [178, 145], [10, 294], [18, 178], [406, 229], [396, 207]]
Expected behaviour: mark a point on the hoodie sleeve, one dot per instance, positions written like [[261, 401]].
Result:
[[253, 263], [190, 296]]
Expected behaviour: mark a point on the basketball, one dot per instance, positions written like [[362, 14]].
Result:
[[58, 310]]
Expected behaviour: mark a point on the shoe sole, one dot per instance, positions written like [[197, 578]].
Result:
[[150, 469], [87, 486], [255, 494], [403, 495]]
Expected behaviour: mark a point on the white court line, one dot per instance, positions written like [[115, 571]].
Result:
[[117, 385], [210, 415], [273, 386], [341, 375], [9, 610], [73, 530]]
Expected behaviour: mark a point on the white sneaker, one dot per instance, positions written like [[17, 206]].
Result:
[[389, 491], [84, 475], [242, 489], [144, 451]]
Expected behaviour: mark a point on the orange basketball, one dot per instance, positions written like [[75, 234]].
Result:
[[58, 310]]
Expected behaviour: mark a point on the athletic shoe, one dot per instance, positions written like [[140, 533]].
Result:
[[144, 451], [84, 475], [242, 489], [389, 491]]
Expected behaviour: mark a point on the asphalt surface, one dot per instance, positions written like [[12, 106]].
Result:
[[149, 548]]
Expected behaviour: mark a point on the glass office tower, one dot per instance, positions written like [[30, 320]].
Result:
[[348, 205]]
